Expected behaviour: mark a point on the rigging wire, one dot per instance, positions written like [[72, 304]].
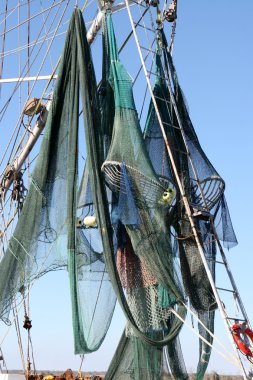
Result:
[[3, 43], [42, 39], [31, 18], [173, 31], [235, 362], [43, 19], [28, 83], [32, 87], [7, 15], [150, 45], [17, 327], [24, 73], [43, 92], [131, 33], [33, 43], [11, 10], [38, 274]]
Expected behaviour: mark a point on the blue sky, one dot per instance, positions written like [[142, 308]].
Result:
[[214, 59]]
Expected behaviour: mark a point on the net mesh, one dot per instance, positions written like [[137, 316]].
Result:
[[138, 217], [204, 189], [137, 360], [131, 244], [46, 237], [143, 269]]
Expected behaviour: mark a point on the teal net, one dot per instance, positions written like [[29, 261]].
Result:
[[144, 258], [187, 153], [143, 269], [135, 359], [195, 280]]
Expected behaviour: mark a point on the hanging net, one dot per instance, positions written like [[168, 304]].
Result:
[[202, 186], [143, 270], [47, 236], [144, 254], [135, 359]]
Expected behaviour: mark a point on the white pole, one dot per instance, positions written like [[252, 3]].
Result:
[[17, 163], [26, 79]]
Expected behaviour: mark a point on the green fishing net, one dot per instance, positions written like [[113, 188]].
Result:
[[143, 270], [47, 236], [192, 165]]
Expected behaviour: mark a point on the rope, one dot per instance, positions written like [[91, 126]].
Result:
[[16, 321], [3, 41], [25, 71], [179, 183], [194, 315], [81, 364], [131, 33], [39, 272], [11, 10], [235, 362], [43, 61], [16, 87], [173, 30], [32, 351], [30, 18], [84, 6]]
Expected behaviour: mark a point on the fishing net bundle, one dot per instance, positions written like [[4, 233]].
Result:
[[143, 270], [136, 194], [128, 362], [205, 194], [46, 236], [94, 288]]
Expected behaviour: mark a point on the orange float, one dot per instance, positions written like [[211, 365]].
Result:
[[240, 331]]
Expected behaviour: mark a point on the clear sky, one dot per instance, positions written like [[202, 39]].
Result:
[[214, 59]]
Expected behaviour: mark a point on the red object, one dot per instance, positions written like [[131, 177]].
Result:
[[238, 330], [132, 272]]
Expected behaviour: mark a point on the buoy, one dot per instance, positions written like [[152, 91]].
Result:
[[170, 15], [32, 107], [240, 331], [90, 221], [168, 196], [79, 223], [48, 377]]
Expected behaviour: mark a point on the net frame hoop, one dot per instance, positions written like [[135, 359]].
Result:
[[113, 177]]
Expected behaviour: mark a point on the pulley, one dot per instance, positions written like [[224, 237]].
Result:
[[170, 15], [19, 191], [79, 223], [27, 323], [201, 213], [153, 3], [33, 107]]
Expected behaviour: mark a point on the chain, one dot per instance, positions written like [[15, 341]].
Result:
[[19, 191]]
